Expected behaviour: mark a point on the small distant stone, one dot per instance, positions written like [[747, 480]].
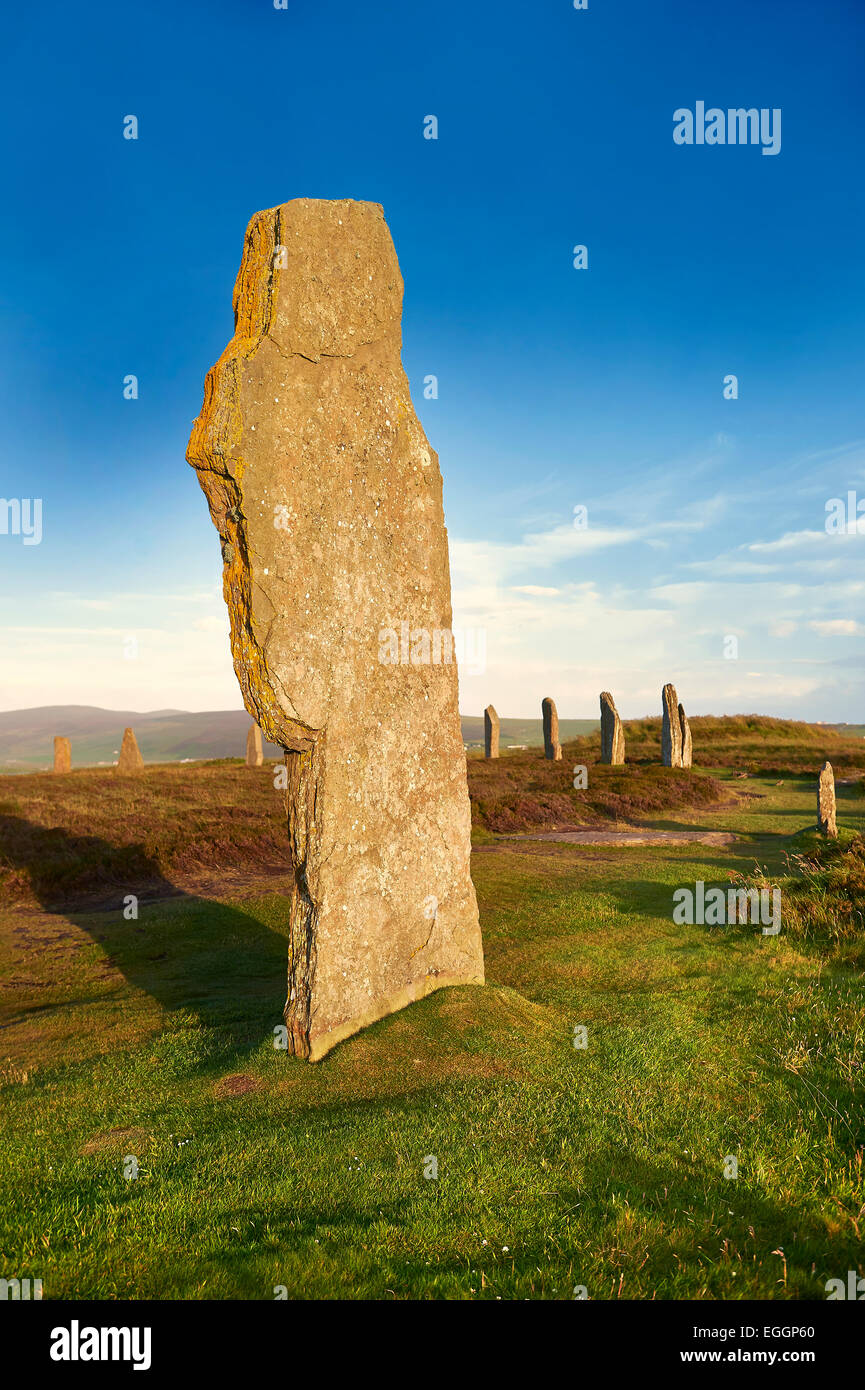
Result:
[[491, 733], [826, 802], [552, 747], [254, 751], [612, 733], [62, 755], [130, 759], [671, 731], [687, 745]]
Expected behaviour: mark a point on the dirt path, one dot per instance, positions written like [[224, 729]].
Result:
[[633, 837]]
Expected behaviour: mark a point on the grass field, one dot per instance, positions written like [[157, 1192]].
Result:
[[558, 1166]]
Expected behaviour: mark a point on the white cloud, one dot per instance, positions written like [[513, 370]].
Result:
[[791, 540], [540, 550], [536, 590], [837, 627]]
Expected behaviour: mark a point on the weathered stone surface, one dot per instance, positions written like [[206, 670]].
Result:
[[552, 747], [254, 752], [130, 759], [62, 754], [671, 731], [328, 502], [612, 733], [687, 745], [826, 802], [491, 733]]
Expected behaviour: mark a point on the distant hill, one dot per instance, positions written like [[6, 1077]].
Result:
[[170, 735], [516, 732], [164, 736]]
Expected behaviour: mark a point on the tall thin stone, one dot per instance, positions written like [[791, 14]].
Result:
[[612, 733], [491, 733], [130, 759], [552, 747], [328, 502], [62, 754], [826, 802], [687, 745], [254, 751], [671, 731]]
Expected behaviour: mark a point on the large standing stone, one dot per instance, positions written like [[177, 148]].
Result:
[[254, 752], [687, 744], [491, 733], [328, 502], [612, 733], [671, 731], [62, 754], [130, 759], [826, 802], [552, 747]]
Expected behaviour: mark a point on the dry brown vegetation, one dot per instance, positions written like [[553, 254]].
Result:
[[79, 837], [63, 838], [522, 791]]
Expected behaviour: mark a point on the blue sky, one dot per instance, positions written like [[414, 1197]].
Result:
[[557, 387]]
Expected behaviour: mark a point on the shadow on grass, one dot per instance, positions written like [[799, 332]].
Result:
[[689, 1218], [189, 953]]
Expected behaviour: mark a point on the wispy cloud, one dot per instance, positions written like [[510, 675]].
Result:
[[837, 627], [536, 590]]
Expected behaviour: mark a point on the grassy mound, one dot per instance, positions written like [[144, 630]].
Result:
[[754, 743]]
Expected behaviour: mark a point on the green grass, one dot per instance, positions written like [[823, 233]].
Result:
[[557, 1166]]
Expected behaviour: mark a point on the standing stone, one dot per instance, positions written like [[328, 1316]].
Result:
[[612, 733], [491, 733], [671, 732], [552, 747], [826, 802], [687, 745], [328, 502], [130, 759], [62, 754], [254, 752]]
